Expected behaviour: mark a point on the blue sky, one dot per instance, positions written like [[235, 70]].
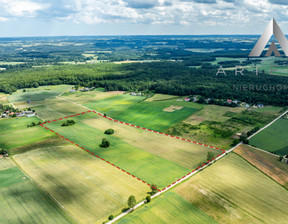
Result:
[[139, 17]]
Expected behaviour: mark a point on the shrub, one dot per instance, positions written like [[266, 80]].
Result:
[[68, 123], [109, 131], [111, 217], [105, 143], [148, 199]]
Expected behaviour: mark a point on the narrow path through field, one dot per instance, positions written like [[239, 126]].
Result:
[[59, 97], [173, 185]]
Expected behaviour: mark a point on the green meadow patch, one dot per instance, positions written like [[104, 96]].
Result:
[[168, 208], [114, 105], [11, 176], [148, 167], [274, 138], [14, 132], [36, 94], [153, 115], [26, 203]]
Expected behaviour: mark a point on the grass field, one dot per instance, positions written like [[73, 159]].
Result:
[[36, 94], [265, 162], [156, 159], [51, 109], [147, 166], [152, 115], [21, 201], [9, 173], [87, 187], [168, 208], [26, 203], [11, 176], [233, 191], [112, 106], [14, 132], [177, 151], [274, 138], [91, 96]]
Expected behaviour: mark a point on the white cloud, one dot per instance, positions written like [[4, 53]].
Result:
[[177, 12], [18, 8]]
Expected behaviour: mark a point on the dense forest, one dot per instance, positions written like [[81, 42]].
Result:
[[161, 77]]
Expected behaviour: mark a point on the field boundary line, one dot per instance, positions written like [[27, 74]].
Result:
[[47, 193], [266, 126], [121, 122], [132, 125]]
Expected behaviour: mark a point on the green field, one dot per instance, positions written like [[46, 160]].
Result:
[[233, 191], [91, 96], [274, 138], [14, 132], [183, 153], [26, 203], [152, 115], [112, 106], [21, 201], [152, 157], [40, 93], [168, 208], [88, 188], [148, 167], [11, 176]]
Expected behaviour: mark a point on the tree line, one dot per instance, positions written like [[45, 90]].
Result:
[[173, 78]]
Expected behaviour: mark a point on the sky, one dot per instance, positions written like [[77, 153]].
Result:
[[139, 17]]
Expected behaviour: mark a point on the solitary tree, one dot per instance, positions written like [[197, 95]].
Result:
[[109, 131], [105, 143], [210, 156], [131, 202]]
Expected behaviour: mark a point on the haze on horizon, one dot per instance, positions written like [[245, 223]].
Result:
[[19, 18]]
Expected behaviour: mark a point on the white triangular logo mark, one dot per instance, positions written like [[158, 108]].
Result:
[[271, 29]]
